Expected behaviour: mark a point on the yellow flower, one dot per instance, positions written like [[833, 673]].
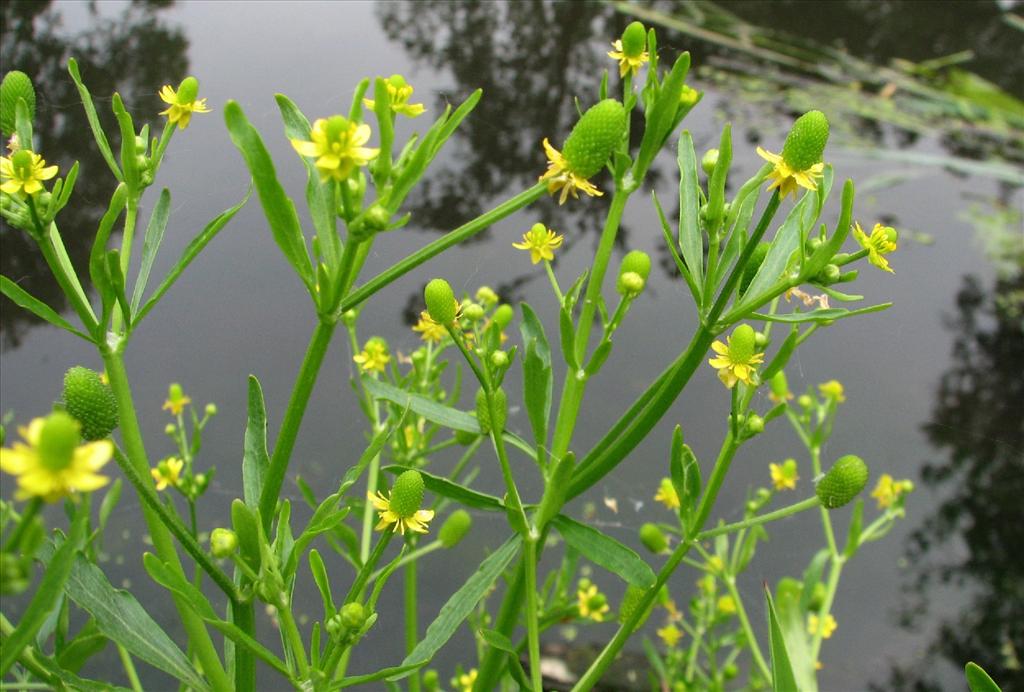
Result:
[[592, 603], [374, 357], [24, 172], [559, 177], [667, 494], [167, 473], [888, 490], [737, 358], [784, 475], [726, 605], [881, 242], [670, 634], [429, 329], [53, 464], [415, 522], [183, 102], [833, 389], [827, 627], [399, 93], [786, 178], [466, 681], [337, 147], [176, 400], [541, 241], [716, 565], [627, 64]]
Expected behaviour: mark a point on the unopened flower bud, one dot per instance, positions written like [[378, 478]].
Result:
[[709, 161], [349, 317], [441, 303], [486, 295], [353, 616], [760, 341], [211, 409], [455, 528], [407, 494], [805, 401], [843, 482], [473, 312], [377, 217], [431, 681], [91, 402], [503, 316], [170, 430], [755, 424], [637, 263], [830, 274], [499, 359], [595, 136], [805, 143], [223, 542], [653, 538]]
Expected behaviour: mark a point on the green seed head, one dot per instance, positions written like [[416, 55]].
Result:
[[503, 316], [634, 40], [407, 494], [779, 385], [188, 90], [843, 482], [630, 602], [753, 264], [595, 136], [483, 411], [223, 542], [653, 538], [636, 261], [16, 85], [741, 343], [91, 402], [805, 143], [473, 312], [58, 440], [440, 301], [455, 528]]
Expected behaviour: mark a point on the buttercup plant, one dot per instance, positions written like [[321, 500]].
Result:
[[742, 259]]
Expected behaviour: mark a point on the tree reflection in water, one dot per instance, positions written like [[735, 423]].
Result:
[[127, 53]]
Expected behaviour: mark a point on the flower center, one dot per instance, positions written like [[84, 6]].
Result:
[[57, 441]]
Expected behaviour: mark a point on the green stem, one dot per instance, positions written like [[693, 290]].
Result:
[[301, 392], [292, 636], [244, 617], [129, 668], [131, 435], [460, 234], [24, 521], [411, 556], [761, 519], [532, 631], [411, 626], [741, 613], [826, 605], [67, 280]]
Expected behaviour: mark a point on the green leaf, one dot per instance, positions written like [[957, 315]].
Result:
[[120, 617], [324, 519], [154, 236], [277, 206], [822, 315], [453, 491], [255, 458], [460, 605], [323, 583], [372, 450], [691, 237], [605, 551], [978, 680], [670, 243], [194, 248], [498, 641], [792, 620], [782, 673], [98, 253], [128, 163], [24, 299], [812, 576], [853, 533], [94, 121], [88, 642], [428, 408], [47, 595], [567, 335], [72, 681], [537, 377], [660, 117], [716, 186]]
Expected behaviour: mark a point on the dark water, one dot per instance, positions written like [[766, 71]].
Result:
[[934, 386]]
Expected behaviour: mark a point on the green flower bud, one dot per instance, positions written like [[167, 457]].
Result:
[[753, 264], [473, 312], [817, 597], [431, 681], [464, 437], [223, 542], [353, 616], [499, 359], [407, 494], [270, 588], [805, 143], [630, 602], [595, 136], [805, 401], [188, 90], [440, 299], [211, 409], [16, 85], [637, 263], [483, 412], [653, 538], [349, 317], [843, 482], [813, 244], [58, 440], [455, 528], [503, 316], [829, 274], [709, 161], [634, 40], [730, 671], [486, 295], [755, 424], [170, 430], [377, 217], [760, 341], [91, 402]]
